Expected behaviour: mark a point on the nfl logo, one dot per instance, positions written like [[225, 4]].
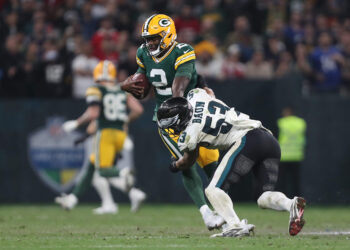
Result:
[[54, 157]]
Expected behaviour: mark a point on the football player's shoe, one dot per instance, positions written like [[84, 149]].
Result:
[[243, 229], [105, 71], [137, 197], [162, 26], [213, 221], [111, 209], [67, 202], [296, 220]]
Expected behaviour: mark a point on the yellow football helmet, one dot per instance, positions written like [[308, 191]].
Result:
[[159, 25], [105, 71]]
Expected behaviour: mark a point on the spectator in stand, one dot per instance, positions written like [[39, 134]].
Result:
[[187, 25], [30, 69], [242, 37], [211, 11], [294, 32], [274, 47], [83, 65], [53, 72], [258, 68], [309, 38], [87, 23], [285, 64], [104, 41], [326, 62], [232, 67], [10, 66], [209, 60], [10, 26], [302, 61]]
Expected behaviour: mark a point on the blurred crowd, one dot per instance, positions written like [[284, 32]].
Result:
[[49, 48]]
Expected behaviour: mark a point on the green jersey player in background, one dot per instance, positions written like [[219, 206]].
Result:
[[170, 67]]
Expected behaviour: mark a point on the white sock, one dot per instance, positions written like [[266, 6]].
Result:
[[274, 200], [222, 204], [102, 187], [119, 183]]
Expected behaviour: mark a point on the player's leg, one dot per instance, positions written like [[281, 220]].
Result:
[[71, 200], [229, 171], [192, 183], [126, 161], [101, 185], [266, 175]]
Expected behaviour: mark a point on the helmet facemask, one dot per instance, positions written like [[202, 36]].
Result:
[[174, 115]]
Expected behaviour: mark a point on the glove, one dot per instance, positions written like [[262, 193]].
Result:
[[81, 139], [69, 126], [172, 166]]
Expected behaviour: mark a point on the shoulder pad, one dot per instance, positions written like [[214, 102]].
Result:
[[185, 53], [93, 91], [139, 56]]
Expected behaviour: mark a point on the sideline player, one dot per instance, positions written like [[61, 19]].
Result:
[[124, 160], [170, 67], [201, 120], [107, 104]]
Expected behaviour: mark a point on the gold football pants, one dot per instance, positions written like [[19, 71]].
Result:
[[205, 158], [108, 143]]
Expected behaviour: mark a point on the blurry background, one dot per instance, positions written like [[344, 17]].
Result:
[[259, 56]]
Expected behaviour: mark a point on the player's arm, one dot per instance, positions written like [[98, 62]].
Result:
[[130, 85], [93, 99], [182, 78], [187, 160], [135, 108]]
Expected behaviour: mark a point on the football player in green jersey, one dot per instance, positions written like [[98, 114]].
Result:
[[170, 67], [107, 104]]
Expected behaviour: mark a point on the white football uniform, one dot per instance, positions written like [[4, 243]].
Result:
[[213, 123]]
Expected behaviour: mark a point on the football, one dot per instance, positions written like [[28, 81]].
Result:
[[143, 82]]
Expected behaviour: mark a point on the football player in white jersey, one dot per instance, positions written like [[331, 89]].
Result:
[[202, 120]]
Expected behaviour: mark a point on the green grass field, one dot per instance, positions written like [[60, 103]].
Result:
[[164, 227]]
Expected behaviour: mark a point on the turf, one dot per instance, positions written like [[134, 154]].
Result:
[[164, 227]]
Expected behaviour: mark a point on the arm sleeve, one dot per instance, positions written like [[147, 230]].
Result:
[[185, 69], [141, 70], [93, 96]]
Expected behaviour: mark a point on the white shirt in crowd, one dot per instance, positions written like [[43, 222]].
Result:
[[82, 82]]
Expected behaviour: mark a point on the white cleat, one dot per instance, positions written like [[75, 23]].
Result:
[[213, 221], [244, 229], [137, 197], [296, 220], [67, 202], [111, 209]]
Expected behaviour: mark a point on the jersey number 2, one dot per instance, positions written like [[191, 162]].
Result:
[[161, 86]]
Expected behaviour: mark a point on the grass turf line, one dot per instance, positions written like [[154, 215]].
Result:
[[163, 227]]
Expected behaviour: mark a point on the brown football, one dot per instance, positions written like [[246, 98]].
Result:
[[143, 82]]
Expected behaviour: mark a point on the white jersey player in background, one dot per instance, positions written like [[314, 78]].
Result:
[[202, 120]]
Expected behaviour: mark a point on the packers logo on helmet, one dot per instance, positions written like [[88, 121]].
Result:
[[162, 26], [105, 71]]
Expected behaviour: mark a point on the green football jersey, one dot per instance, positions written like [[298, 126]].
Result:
[[160, 72], [112, 101]]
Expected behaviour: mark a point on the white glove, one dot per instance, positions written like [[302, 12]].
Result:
[[69, 126]]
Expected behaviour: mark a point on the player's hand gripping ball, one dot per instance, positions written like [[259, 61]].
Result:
[[139, 85]]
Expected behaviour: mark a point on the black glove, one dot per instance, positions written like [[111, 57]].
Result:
[[172, 166], [81, 139]]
